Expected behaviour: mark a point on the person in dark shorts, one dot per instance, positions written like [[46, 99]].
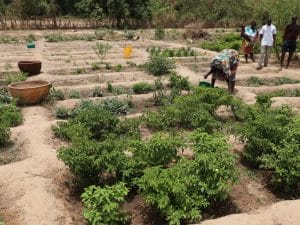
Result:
[[223, 67], [290, 35]]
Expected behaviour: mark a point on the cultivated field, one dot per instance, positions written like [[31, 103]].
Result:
[[36, 187]]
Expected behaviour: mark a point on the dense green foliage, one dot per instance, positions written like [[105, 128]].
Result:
[[180, 192], [160, 13], [179, 82], [180, 52], [228, 41], [102, 205], [272, 138], [159, 65], [143, 88], [192, 111], [10, 116]]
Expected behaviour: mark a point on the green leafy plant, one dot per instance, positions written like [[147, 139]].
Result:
[[143, 88], [56, 95], [95, 66], [110, 87], [193, 111], [4, 133], [13, 78], [180, 192], [159, 34], [159, 65], [5, 97], [118, 68], [129, 35], [31, 38], [179, 82], [71, 131], [97, 92], [102, 206], [75, 94], [115, 106], [285, 162], [226, 41], [255, 81], [101, 50], [80, 70], [62, 113], [161, 149], [108, 66], [10, 115]]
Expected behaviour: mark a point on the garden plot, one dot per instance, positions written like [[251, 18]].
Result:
[[38, 188]]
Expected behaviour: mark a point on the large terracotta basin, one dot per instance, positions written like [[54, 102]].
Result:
[[30, 92], [30, 67]]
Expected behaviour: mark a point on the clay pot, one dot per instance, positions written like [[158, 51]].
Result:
[[30, 92], [30, 67]]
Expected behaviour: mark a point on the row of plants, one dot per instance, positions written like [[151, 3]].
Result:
[[272, 138], [10, 116], [220, 42], [180, 52], [256, 81], [109, 152]]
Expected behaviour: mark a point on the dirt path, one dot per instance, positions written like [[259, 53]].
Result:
[[28, 187]]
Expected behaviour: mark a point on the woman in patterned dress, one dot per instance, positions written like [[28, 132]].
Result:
[[224, 67]]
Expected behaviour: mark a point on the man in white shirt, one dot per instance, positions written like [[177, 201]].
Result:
[[268, 39]]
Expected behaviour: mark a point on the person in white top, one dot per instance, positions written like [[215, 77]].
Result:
[[268, 39]]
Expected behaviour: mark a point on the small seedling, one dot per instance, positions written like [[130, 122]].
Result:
[[101, 49]]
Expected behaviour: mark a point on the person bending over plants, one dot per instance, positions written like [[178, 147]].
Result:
[[224, 67]]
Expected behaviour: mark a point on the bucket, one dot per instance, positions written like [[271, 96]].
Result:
[[127, 52], [31, 45], [204, 84]]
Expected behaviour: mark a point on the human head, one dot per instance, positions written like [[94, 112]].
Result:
[[269, 21], [294, 19], [253, 24]]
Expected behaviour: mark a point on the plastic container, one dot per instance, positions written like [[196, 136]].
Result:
[[127, 52], [204, 84], [30, 45]]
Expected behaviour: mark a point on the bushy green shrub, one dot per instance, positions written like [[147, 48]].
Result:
[[159, 150], [75, 94], [180, 193], [62, 113], [115, 106], [227, 41], [142, 88], [159, 34], [266, 128], [4, 133], [71, 131], [5, 98], [90, 159], [285, 162], [97, 92], [192, 111], [102, 206], [98, 120], [179, 82], [56, 95], [13, 78], [159, 65], [10, 115]]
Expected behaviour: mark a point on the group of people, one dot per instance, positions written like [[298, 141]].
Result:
[[224, 65]]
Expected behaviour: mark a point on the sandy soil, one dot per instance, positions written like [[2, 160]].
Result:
[[33, 189]]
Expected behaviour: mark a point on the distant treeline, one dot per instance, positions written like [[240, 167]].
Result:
[[145, 13]]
